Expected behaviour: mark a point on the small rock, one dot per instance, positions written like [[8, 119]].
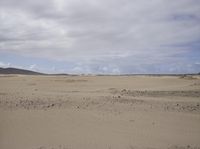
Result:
[[124, 90]]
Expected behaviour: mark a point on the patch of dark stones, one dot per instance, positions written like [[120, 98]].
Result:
[[37, 104], [158, 93]]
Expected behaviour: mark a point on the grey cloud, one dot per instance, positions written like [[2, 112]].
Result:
[[99, 30]]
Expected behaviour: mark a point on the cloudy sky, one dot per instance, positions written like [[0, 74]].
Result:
[[101, 36]]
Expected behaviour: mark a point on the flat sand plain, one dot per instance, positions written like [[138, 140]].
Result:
[[99, 112]]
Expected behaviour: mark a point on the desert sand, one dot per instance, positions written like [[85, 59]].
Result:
[[99, 112]]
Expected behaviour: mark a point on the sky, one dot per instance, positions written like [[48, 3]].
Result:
[[101, 36]]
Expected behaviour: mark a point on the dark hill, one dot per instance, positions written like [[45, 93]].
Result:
[[18, 71]]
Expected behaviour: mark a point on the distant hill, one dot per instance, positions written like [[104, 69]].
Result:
[[18, 71]]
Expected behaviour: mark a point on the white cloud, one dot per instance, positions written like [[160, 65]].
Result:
[[4, 65], [7, 65], [197, 63], [91, 31], [33, 67], [116, 71]]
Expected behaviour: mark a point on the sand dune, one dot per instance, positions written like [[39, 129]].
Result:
[[99, 112]]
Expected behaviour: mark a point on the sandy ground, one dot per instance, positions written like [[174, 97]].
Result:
[[99, 112]]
